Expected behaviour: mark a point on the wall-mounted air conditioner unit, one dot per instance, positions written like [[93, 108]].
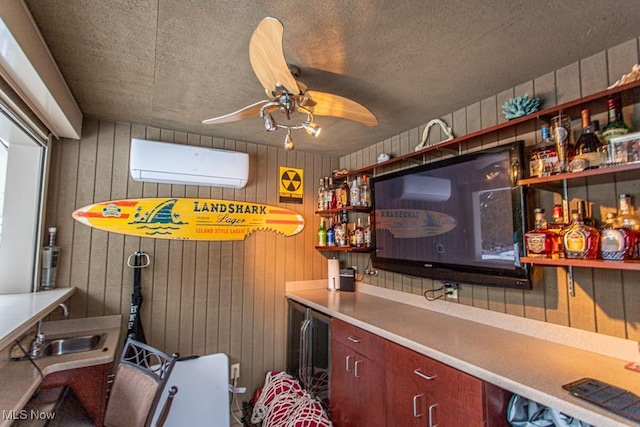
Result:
[[172, 163]]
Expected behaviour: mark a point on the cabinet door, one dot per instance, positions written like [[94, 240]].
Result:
[[357, 389], [370, 392], [463, 392], [342, 385], [408, 396]]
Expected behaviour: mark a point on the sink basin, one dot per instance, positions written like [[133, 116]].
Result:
[[60, 346]]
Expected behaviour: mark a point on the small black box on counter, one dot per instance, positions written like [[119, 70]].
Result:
[[347, 279]]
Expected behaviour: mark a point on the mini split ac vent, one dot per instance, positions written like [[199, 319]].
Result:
[[170, 163]]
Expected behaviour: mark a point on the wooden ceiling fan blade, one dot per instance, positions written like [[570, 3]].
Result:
[[328, 104], [267, 57], [247, 112]]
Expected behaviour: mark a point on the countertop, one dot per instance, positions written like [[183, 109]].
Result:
[[20, 312], [523, 362]]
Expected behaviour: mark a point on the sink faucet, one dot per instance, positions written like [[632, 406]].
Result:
[[65, 310], [38, 342]]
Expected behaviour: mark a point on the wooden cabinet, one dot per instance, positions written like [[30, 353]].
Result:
[[89, 384], [424, 392], [357, 377]]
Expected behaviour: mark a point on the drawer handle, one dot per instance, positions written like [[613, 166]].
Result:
[[347, 359], [421, 375], [431, 408], [354, 339], [415, 405]]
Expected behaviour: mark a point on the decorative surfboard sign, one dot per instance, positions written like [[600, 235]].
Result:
[[414, 223], [189, 219]]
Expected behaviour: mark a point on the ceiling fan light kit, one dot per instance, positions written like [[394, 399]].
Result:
[[288, 96]]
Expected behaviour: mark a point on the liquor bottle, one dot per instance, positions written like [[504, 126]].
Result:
[[49, 261], [367, 233], [588, 143], [556, 225], [543, 159], [582, 211], [541, 242], [580, 241], [338, 194], [351, 234], [325, 197], [331, 234], [341, 234], [321, 190], [365, 192], [354, 193], [322, 234], [626, 216], [332, 194], [344, 194], [616, 125], [359, 234], [617, 242]]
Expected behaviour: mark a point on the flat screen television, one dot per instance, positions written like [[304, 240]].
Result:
[[459, 220]]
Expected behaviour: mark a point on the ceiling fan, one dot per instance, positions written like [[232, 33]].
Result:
[[285, 94]]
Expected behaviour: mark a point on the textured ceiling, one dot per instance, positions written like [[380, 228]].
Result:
[[171, 64]]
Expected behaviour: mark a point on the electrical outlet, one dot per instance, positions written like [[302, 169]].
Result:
[[235, 371], [451, 291]]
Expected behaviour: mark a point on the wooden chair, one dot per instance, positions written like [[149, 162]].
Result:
[[140, 377]]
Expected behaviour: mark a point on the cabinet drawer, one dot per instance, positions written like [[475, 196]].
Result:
[[411, 367], [365, 343]]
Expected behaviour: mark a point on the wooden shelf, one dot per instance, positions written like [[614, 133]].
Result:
[[596, 102], [343, 249], [364, 209], [586, 263], [617, 173]]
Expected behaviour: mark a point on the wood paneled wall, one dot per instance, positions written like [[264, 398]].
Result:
[[199, 297], [606, 301]]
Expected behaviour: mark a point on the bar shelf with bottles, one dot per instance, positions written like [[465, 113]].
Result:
[[610, 157], [597, 103], [337, 202], [614, 245]]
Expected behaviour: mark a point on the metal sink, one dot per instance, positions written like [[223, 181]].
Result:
[[61, 346], [58, 347]]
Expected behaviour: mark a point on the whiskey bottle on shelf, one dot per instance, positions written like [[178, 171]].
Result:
[[588, 143], [556, 225], [365, 192], [344, 193], [626, 216], [359, 235], [541, 242], [580, 240], [616, 242], [616, 125], [582, 211], [331, 195], [367, 233], [321, 191], [543, 159]]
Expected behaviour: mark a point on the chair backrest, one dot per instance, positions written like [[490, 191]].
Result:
[[140, 377]]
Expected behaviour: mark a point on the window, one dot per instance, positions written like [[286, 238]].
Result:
[[21, 176]]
